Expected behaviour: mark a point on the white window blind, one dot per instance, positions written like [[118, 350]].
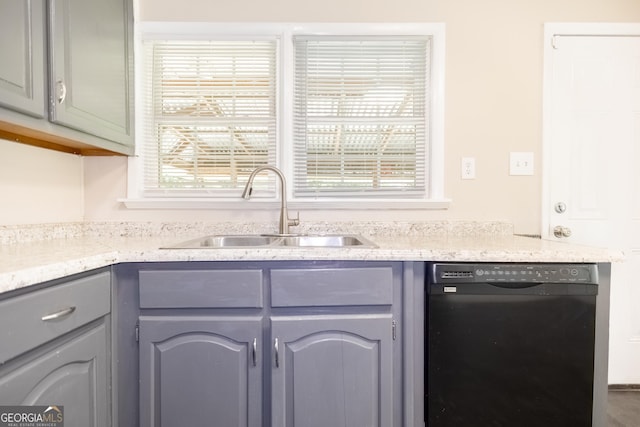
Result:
[[360, 116], [210, 116]]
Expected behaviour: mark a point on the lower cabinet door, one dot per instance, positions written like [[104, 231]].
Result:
[[332, 370], [74, 375], [200, 371]]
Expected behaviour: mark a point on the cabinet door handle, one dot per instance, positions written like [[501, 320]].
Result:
[[59, 314], [254, 351], [275, 345], [62, 91]]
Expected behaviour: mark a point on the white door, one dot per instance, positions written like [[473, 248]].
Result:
[[592, 175]]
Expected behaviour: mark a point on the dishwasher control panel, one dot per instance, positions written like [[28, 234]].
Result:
[[508, 272]]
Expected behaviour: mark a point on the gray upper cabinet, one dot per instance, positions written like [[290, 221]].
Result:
[[22, 80], [66, 77], [88, 67]]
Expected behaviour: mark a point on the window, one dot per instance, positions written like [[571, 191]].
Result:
[[211, 117], [350, 113], [360, 108]]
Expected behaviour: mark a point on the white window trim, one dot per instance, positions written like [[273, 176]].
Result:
[[191, 30]]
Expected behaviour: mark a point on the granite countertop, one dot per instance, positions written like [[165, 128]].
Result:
[[34, 254]]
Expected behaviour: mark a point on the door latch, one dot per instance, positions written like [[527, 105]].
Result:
[[560, 231]]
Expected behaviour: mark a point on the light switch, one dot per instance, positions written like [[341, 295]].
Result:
[[521, 163]]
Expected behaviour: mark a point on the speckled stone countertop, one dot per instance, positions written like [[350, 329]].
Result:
[[38, 253]]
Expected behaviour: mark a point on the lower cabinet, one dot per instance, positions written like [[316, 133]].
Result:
[[73, 374], [200, 371], [315, 346], [332, 370], [55, 349]]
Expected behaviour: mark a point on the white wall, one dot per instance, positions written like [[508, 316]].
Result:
[[38, 185], [493, 93], [493, 97]]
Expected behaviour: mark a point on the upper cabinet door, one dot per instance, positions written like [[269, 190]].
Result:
[[89, 76], [22, 51]]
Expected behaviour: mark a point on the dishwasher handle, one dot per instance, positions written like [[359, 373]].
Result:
[[512, 288], [514, 285]]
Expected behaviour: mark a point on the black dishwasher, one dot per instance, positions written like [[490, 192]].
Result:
[[510, 345]]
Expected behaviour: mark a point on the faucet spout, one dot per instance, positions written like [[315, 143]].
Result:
[[285, 221], [248, 189]]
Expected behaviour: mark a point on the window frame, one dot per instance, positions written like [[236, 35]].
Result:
[[434, 197]]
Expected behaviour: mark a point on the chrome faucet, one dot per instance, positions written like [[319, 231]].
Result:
[[285, 221]]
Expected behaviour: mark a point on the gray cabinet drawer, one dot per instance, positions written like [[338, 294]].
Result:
[[23, 319], [201, 289], [332, 287]]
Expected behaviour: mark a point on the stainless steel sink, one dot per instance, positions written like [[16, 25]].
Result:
[[327, 241], [224, 241], [265, 240]]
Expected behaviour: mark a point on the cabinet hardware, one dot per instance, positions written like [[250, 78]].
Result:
[[59, 314], [393, 329], [137, 333], [275, 345], [254, 350], [62, 91]]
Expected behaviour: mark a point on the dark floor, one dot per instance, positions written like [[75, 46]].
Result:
[[624, 408]]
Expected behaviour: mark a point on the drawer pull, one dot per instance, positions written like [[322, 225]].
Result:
[[275, 345], [59, 314]]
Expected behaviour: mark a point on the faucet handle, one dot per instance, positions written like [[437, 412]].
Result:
[[294, 221]]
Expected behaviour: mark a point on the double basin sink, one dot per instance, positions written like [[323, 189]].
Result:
[[275, 241]]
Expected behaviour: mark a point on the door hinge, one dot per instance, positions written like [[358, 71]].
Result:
[[394, 325], [137, 333]]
